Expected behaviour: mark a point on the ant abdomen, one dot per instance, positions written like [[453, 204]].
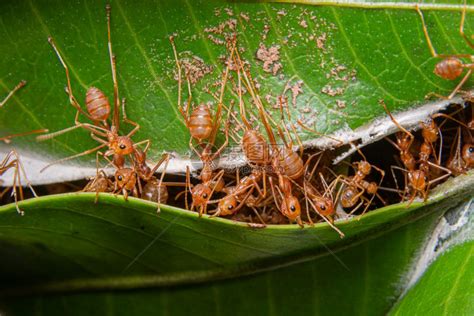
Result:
[[97, 104], [290, 163], [200, 122], [449, 68], [153, 191], [255, 147], [349, 197]]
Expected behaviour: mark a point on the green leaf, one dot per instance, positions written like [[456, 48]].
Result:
[[66, 243], [382, 53], [445, 288]]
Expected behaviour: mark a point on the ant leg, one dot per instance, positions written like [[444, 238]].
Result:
[[226, 141], [129, 121], [72, 99], [7, 138], [392, 170], [272, 187], [243, 115], [340, 179], [171, 38], [18, 169], [461, 26], [17, 184], [357, 207], [90, 127], [369, 202], [114, 71], [428, 39], [217, 116], [412, 198], [308, 215], [456, 89], [300, 123], [311, 174], [450, 117], [382, 103], [259, 217], [392, 143], [100, 140], [4, 166], [125, 194], [160, 183], [96, 176], [191, 145], [90, 151], [461, 83], [147, 146], [164, 157], [448, 173], [10, 94], [187, 187], [382, 173], [425, 31]]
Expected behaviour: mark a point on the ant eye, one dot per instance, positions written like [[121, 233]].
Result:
[[122, 146], [323, 207], [120, 178], [471, 149], [204, 195], [230, 207], [292, 208]]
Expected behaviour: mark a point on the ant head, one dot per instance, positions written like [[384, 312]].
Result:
[[201, 194], [417, 180], [468, 155], [228, 205], [122, 145], [125, 177], [291, 207], [348, 198], [449, 68]]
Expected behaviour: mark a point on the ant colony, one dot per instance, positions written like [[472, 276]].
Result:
[[282, 182]]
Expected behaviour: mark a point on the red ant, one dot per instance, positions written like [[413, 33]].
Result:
[[451, 67], [203, 127], [461, 157], [256, 150], [12, 159], [357, 185], [417, 180], [98, 111]]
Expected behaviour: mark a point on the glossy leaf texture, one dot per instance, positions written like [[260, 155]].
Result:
[[65, 244], [445, 288], [342, 59]]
